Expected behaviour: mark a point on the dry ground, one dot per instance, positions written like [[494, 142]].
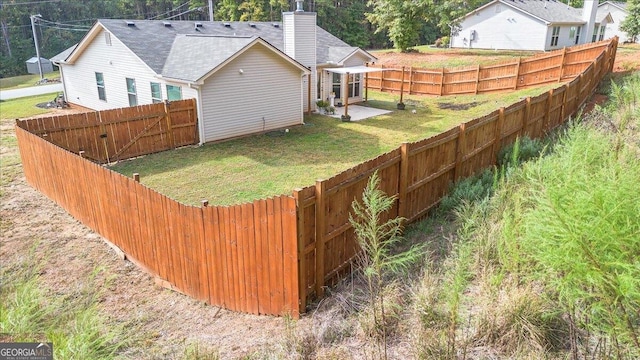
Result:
[[36, 231]]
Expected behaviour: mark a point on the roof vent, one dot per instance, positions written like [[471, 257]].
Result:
[[276, 25], [252, 25], [198, 25], [227, 25], [131, 23], [166, 24]]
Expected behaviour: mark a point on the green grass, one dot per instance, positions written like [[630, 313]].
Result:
[[9, 111], [260, 166], [23, 81], [23, 107], [72, 323]]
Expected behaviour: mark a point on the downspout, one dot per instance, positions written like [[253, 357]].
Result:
[[199, 112]]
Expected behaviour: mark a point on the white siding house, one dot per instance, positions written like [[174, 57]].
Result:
[[618, 11], [246, 77], [528, 25]]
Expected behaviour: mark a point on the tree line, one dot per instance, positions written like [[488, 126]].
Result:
[[369, 24]]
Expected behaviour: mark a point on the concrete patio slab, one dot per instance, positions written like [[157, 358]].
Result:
[[358, 112]]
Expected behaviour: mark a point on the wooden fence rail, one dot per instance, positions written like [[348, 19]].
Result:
[[241, 257], [273, 256], [419, 174], [544, 68], [118, 134]]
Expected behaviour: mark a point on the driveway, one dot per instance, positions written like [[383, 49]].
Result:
[[30, 91]]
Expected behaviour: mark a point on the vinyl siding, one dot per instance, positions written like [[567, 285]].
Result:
[[265, 96], [614, 29], [505, 29], [116, 63]]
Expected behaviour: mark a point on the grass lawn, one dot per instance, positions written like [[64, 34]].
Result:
[[9, 111], [266, 165], [22, 81]]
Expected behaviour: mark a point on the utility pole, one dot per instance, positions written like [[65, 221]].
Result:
[[210, 10], [35, 40]]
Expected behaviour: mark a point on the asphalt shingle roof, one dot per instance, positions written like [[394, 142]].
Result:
[[549, 10], [152, 41], [217, 48]]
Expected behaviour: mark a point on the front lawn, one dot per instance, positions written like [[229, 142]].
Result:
[[271, 164]]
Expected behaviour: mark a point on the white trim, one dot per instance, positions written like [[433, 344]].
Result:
[[354, 70]]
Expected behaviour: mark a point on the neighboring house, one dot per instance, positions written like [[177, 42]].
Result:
[[247, 77], [530, 25], [618, 11]]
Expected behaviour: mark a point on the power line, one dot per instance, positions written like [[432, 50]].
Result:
[[68, 29], [174, 9], [31, 2]]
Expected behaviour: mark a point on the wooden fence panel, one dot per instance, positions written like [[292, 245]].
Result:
[[514, 118], [498, 77], [536, 116], [119, 134], [425, 82], [431, 169], [306, 205], [460, 81], [555, 108], [555, 66], [478, 150]]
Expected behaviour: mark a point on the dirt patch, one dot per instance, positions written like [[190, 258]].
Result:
[[463, 106]]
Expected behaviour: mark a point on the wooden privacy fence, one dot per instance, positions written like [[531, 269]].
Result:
[[241, 257], [119, 134], [555, 66], [272, 256], [420, 173]]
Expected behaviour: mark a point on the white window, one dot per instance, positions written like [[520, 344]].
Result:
[[174, 92], [131, 91], [156, 92], [554, 35], [354, 85], [102, 94], [335, 81], [595, 34], [578, 35], [601, 36]]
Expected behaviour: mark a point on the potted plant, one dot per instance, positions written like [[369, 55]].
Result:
[[322, 106]]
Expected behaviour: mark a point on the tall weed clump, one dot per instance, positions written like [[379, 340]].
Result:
[[578, 227], [377, 239]]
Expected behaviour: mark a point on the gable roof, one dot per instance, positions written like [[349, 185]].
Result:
[[152, 40], [620, 5], [214, 52], [547, 11]]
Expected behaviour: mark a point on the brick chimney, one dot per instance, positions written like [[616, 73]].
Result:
[[299, 29]]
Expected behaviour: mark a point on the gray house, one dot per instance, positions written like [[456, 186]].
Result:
[[530, 25], [32, 65], [247, 77]]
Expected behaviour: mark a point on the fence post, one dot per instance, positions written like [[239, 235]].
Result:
[[547, 116], [204, 203], [441, 81], [381, 76], [564, 53], [410, 79], [564, 104], [515, 83], [525, 118], [366, 84], [136, 177], [403, 181], [167, 115], [460, 144], [320, 229], [477, 79], [402, 85], [302, 259], [498, 133]]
